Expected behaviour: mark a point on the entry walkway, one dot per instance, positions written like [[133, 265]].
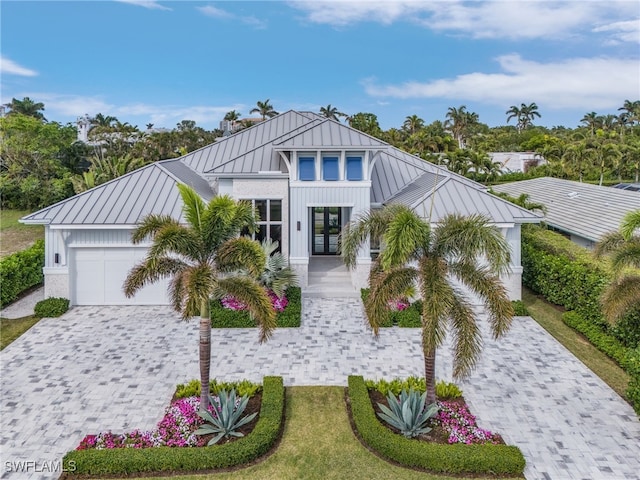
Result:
[[115, 368]]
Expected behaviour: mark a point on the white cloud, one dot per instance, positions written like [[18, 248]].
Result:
[[170, 115], [215, 12], [150, 4], [625, 31], [589, 83], [486, 19], [9, 67], [71, 105]]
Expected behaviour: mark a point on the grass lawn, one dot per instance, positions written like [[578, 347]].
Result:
[[10, 329], [15, 236], [550, 318], [318, 443]]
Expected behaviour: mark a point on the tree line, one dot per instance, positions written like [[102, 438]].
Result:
[[41, 161]]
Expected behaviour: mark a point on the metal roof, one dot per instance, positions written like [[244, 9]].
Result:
[[578, 208], [452, 196], [125, 200], [329, 133]]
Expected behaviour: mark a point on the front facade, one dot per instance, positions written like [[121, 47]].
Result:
[[307, 176]]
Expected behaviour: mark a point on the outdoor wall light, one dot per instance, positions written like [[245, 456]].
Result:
[[298, 225], [56, 258]]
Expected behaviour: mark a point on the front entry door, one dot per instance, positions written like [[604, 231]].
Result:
[[327, 222]]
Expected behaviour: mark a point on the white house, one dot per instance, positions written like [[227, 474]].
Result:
[[516, 161], [306, 175]]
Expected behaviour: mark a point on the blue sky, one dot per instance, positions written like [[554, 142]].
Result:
[[161, 62]]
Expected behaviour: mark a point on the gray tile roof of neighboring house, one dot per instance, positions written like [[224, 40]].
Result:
[[582, 209], [436, 196], [127, 199]]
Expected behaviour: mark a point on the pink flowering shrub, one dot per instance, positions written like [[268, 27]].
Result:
[[175, 429], [461, 425], [399, 304], [232, 303]]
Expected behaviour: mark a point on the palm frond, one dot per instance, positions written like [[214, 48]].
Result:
[[472, 237], [252, 294], [386, 286], [193, 206], [241, 253], [630, 223], [467, 339], [150, 271], [150, 225], [489, 287], [405, 233], [626, 255], [198, 283], [438, 298], [620, 297], [225, 218], [177, 239], [608, 243]]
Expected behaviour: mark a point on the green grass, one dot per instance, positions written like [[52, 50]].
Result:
[[550, 318], [10, 329], [15, 236], [318, 443]]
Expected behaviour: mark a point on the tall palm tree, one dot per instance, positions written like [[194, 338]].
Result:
[[331, 113], [27, 107], [232, 116], [463, 249], [623, 246], [592, 121], [412, 124], [199, 257], [104, 121], [458, 122], [523, 115], [265, 109], [631, 110]]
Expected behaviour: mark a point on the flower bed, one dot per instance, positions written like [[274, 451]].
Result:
[[132, 461], [401, 312], [230, 313], [454, 458]]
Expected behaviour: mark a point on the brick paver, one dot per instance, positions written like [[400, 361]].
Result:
[[115, 368]]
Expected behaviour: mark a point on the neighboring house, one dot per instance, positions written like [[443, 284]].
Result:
[[516, 161], [582, 211], [306, 175]]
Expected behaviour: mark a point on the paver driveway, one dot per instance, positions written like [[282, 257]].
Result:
[[116, 368]]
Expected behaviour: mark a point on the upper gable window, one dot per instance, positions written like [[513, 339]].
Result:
[[330, 169], [307, 168], [354, 168]]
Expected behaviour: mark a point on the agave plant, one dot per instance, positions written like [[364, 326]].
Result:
[[277, 275], [408, 413], [226, 420]]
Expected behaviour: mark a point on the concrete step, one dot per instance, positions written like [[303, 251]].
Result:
[[326, 291]]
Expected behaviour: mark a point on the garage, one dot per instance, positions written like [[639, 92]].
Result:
[[98, 275]]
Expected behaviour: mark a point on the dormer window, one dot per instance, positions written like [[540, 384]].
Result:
[[330, 168], [354, 168], [307, 168]]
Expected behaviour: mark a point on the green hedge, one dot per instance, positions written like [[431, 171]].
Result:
[[225, 318], [132, 461], [439, 458], [51, 307], [407, 318], [627, 358], [21, 271]]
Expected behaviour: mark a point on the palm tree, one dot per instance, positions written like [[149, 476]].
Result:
[[27, 107], [523, 115], [199, 257], [624, 248], [232, 116], [631, 111], [412, 124], [265, 109], [331, 113], [592, 121], [463, 249], [458, 121], [104, 121]]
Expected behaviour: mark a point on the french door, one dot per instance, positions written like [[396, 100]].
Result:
[[327, 222]]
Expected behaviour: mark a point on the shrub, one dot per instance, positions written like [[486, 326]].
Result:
[[407, 318], [519, 308], [447, 390], [408, 413], [395, 386], [451, 459], [192, 389], [21, 271], [134, 461], [222, 317], [51, 307]]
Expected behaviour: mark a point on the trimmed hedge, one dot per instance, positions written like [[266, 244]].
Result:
[[51, 307], [627, 358], [225, 318], [21, 271], [133, 461], [407, 318], [519, 308], [450, 459]]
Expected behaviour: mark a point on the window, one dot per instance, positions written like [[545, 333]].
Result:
[[330, 168], [354, 168], [307, 168], [270, 221]]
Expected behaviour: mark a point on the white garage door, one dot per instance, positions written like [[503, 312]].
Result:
[[98, 274]]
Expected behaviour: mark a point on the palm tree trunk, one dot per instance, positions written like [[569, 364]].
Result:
[[430, 375], [205, 355]]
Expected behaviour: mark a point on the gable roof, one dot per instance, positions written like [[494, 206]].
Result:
[[329, 133], [578, 208], [127, 199]]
